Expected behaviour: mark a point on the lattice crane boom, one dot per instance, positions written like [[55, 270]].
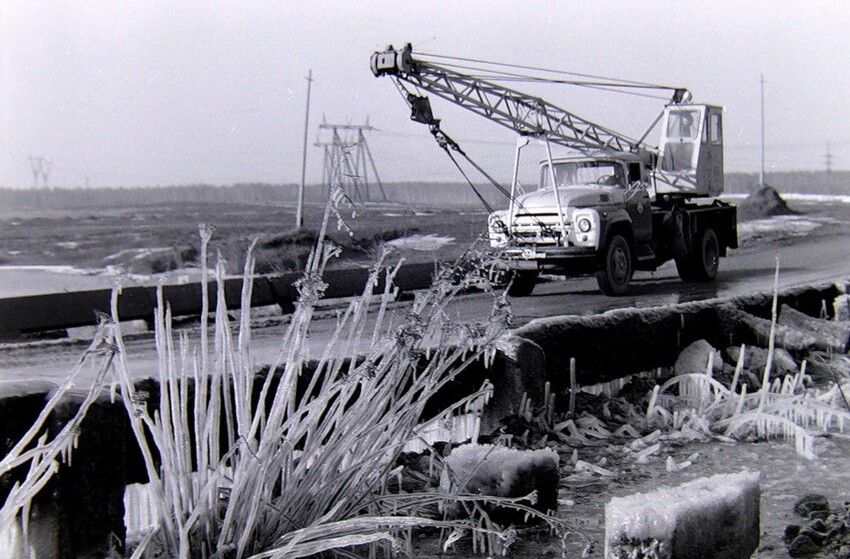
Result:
[[523, 113]]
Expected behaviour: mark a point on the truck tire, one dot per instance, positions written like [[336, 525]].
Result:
[[522, 283], [703, 259], [617, 267]]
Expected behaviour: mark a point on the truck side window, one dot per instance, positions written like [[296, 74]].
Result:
[[634, 172]]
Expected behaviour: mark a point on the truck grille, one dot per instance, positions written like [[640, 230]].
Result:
[[538, 229]]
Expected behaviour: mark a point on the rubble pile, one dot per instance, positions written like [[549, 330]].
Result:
[[790, 380], [825, 530], [764, 202]]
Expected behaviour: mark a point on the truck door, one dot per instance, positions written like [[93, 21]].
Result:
[[713, 148], [637, 205]]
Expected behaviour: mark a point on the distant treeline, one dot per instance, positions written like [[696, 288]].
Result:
[[797, 182], [413, 193], [419, 194]]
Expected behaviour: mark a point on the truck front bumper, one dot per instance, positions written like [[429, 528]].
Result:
[[566, 260]]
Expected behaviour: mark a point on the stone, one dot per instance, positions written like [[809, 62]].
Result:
[[810, 502], [755, 359], [791, 532], [802, 545], [499, 471], [694, 359], [841, 307]]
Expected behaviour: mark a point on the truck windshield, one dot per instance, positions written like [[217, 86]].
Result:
[[583, 172]]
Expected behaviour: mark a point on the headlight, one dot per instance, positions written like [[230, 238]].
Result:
[[586, 228]]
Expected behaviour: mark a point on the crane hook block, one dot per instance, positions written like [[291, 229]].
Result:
[[420, 110], [393, 62]]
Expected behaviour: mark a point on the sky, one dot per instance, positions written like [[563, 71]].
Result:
[[155, 92]]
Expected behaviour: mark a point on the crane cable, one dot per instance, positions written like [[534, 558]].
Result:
[[620, 82], [446, 142]]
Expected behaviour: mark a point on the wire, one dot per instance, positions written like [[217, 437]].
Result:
[[563, 72]]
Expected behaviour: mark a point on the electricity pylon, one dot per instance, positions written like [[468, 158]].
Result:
[[40, 170], [347, 160]]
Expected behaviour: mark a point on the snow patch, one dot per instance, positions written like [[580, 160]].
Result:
[[48, 268], [789, 225], [421, 242]]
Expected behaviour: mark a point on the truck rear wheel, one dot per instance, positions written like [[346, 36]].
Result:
[[521, 283], [703, 259], [617, 267]]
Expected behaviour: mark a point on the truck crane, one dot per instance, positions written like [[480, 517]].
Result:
[[613, 205]]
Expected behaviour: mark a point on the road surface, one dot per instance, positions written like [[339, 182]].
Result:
[[811, 248]]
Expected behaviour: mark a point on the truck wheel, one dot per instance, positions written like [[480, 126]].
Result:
[[617, 267], [522, 283], [704, 258]]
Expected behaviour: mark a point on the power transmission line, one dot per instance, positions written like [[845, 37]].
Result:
[[41, 168], [347, 160]]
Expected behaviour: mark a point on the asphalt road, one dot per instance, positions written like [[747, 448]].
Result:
[[811, 248]]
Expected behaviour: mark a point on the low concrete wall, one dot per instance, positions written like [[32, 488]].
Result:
[[621, 342], [40, 313]]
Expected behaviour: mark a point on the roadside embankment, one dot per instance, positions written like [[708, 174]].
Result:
[[88, 490]]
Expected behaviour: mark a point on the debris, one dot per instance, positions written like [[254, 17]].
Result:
[[709, 517], [764, 202], [643, 456], [582, 466], [672, 466], [834, 335], [810, 502], [504, 472], [695, 359]]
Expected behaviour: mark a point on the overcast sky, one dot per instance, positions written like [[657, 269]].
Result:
[[161, 92]]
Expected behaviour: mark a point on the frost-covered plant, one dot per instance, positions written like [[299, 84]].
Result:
[[307, 472], [784, 407]]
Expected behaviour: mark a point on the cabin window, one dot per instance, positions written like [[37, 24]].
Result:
[[683, 124], [715, 127]]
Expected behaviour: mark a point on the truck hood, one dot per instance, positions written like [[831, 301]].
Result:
[[572, 197]]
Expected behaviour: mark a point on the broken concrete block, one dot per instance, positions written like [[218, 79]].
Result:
[[694, 359], [519, 370], [504, 472], [713, 517], [834, 334], [755, 359]]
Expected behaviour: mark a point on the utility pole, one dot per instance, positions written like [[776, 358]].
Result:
[[299, 211], [761, 173], [829, 159]]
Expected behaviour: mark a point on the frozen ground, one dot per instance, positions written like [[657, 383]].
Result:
[[20, 280]]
